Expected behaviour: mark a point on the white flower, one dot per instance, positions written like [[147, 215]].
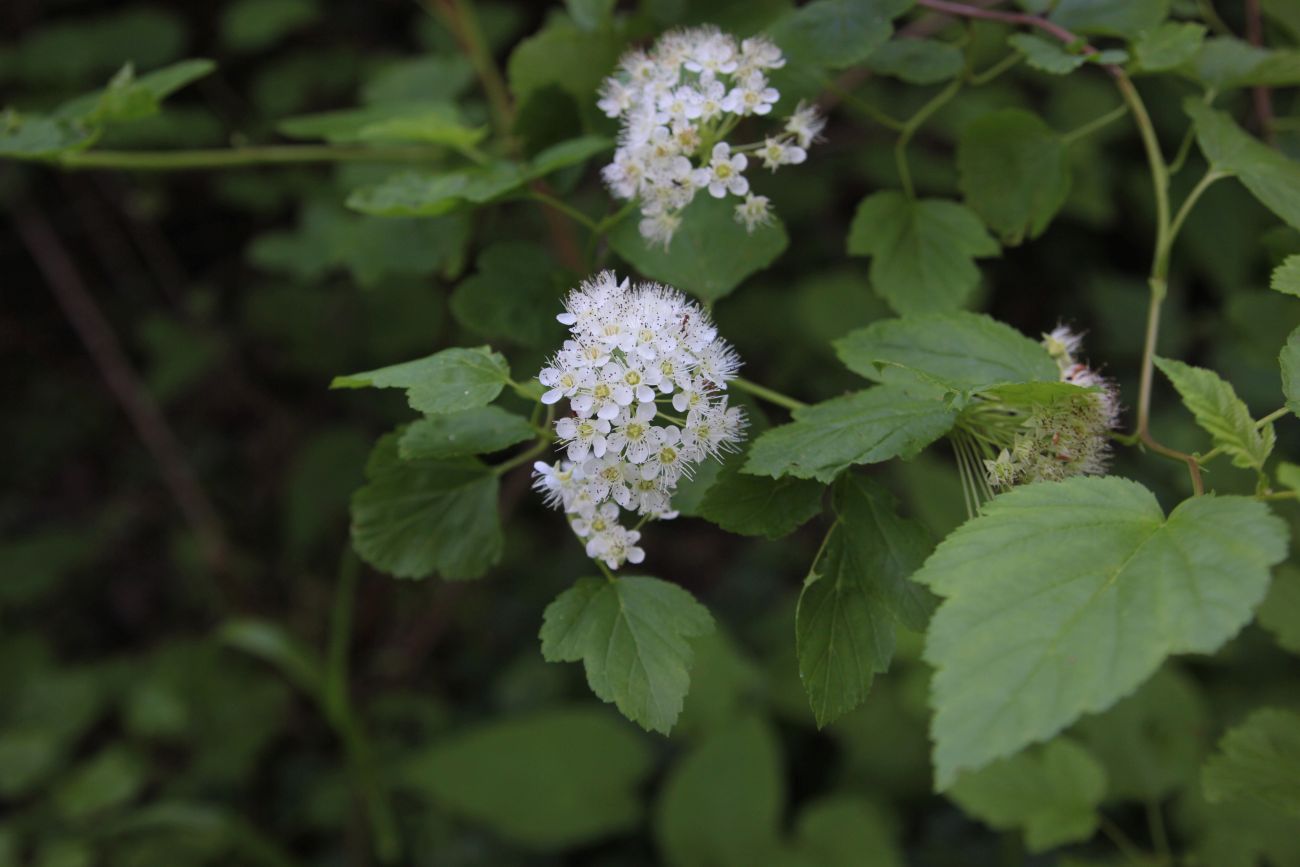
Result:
[[675, 103], [725, 173], [778, 152], [805, 124], [653, 342], [755, 211]]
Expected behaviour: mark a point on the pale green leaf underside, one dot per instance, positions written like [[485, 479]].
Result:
[[549, 780], [1062, 597], [1220, 412], [1289, 362], [1258, 761], [855, 593], [922, 251], [1051, 793], [632, 636], [476, 431], [446, 381], [964, 351], [1286, 277], [865, 427]]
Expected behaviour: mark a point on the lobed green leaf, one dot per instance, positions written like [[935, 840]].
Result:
[[1219, 411], [447, 381]]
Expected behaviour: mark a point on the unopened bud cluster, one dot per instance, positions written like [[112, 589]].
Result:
[[1064, 437], [644, 375], [677, 103]]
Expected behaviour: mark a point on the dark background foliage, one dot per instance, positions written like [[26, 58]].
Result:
[[174, 648]]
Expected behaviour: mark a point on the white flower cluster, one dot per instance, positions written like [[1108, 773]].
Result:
[[1068, 437], [677, 103], [636, 355]]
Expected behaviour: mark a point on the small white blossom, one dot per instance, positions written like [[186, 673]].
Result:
[[675, 102], [621, 453]]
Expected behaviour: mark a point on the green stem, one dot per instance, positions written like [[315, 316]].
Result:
[[1197, 191], [1093, 125], [912, 125], [1159, 836], [981, 78], [767, 394], [337, 706], [1127, 847], [564, 208], [465, 24], [219, 158], [862, 106], [604, 570], [544, 440]]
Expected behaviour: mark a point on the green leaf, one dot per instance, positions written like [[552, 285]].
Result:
[[430, 77], [865, 427], [36, 137], [632, 636], [710, 255], [1150, 743], [253, 25], [1048, 601], [568, 153], [1219, 411], [513, 296], [110, 779], [1280, 612], [1289, 360], [409, 121], [446, 381], [1225, 63], [1051, 793], [1271, 177], [417, 517], [549, 780], [271, 643], [477, 431], [1286, 277], [1258, 761], [922, 251], [848, 831], [1168, 46], [434, 126], [590, 14], [1125, 18], [1014, 172], [917, 61], [964, 351], [564, 55], [836, 33], [128, 97], [721, 803], [1045, 55], [855, 592], [758, 506], [427, 194]]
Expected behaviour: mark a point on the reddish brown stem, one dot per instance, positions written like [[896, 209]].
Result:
[[1263, 96], [101, 343]]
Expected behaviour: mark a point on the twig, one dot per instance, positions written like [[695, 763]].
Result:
[[101, 343], [1263, 96]]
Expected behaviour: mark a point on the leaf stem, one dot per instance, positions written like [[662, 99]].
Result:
[[857, 103], [1126, 846], [978, 79], [910, 127], [1093, 125], [219, 158], [564, 208], [1159, 836], [767, 394], [1197, 191], [460, 18]]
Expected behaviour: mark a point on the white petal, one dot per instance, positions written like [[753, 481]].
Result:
[[552, 396], [566, 318]]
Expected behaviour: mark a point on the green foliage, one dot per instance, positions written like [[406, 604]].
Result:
[[865, 427], [1286, 277], [922, 252], [254, 25], [1259, 761], [1271, 177], [960, 351], [475, 431], [917, 61], [1225, 62], [1168, 46], [419, 516], [710, 255], [1280, 611], [699, 821], [855, 593], [1289, 359], [447, 381], [1013, 172], [633, 637], [837, 33], [1059, 571], [548, 780], [1050, 792], [1125, 18], [1220, 412], [1045, 55], [512, 297], [758, 506]]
